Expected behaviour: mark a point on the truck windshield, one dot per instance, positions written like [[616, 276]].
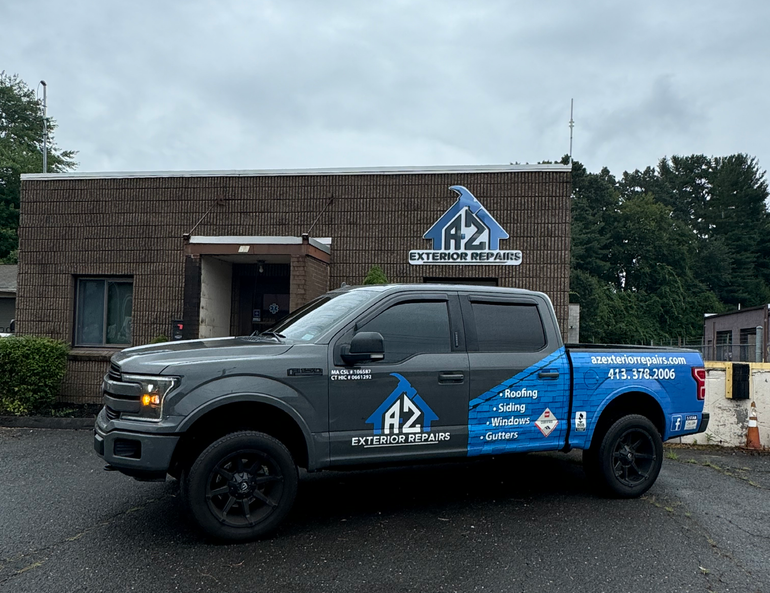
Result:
[[314, 318]]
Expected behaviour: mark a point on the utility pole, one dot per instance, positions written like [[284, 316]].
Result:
[[45, 128]]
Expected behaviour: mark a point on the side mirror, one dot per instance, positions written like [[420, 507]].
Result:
[[364, 346]]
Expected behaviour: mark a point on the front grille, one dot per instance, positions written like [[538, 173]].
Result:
[[114, 372], [111, 414]]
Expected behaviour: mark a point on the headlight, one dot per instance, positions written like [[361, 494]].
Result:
[[154, 390]]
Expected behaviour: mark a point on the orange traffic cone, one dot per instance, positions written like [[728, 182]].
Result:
[[752, 439]]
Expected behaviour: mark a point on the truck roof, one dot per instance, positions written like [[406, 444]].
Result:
[[427, 287]]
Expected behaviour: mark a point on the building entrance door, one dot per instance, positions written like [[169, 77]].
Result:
[[260, 296]]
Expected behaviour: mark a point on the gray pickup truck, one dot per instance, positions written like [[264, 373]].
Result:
[[387, 374]]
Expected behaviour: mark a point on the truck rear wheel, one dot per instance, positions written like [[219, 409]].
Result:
[[628, 458], [241, 486]]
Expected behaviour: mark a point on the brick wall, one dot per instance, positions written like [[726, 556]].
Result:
[[297, 294], [316, 278], [133, 226]]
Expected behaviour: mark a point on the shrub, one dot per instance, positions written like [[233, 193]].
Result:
[[31, 372], [375, 276]]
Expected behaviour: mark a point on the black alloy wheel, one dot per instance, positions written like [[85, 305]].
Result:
[[634, 457], [630, 457], [242, 486]]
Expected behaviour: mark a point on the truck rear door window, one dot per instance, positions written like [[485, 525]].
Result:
[[508, 327], [412, 328]]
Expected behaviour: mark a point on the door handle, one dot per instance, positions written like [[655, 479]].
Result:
[[451, 377], [548, 375]]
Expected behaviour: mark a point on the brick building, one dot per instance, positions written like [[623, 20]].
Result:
[[117, 259]]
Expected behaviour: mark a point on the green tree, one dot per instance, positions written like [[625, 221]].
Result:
[[681, 183], [737, 215], [21, 151], [644, 253], [723, 202], [649, 245], [595, 201]]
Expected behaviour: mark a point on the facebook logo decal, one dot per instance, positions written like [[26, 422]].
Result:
[[676, 423]]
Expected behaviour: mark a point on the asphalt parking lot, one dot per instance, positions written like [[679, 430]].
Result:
[[525, 523]]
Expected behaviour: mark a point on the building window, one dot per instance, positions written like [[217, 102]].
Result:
[[748, 338], [103, 316], [724, 345]]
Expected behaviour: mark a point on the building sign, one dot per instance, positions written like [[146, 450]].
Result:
[[465, 235]]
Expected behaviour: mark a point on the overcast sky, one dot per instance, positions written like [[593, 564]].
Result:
[[266, 84]]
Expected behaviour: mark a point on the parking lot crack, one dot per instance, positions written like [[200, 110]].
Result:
[[751, 533], [677, 510], [23, 562], [737, 473]]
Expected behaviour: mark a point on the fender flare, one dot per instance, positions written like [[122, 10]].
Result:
[[238, 398], [627, 389]]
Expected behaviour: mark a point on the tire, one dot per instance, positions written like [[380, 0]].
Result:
[[241, 487], [628, 459]]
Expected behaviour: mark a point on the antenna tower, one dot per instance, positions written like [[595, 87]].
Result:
[[571, 125]]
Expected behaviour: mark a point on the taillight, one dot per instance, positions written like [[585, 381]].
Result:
[[699, 374]]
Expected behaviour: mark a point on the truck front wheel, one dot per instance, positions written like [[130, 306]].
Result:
[[628, 459], [241, 486]]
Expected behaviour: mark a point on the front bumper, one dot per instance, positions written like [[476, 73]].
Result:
[[142, 456]]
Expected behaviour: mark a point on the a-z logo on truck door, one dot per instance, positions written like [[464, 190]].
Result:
[[466, 234], [402, 419]]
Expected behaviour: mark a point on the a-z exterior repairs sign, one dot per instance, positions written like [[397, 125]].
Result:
[[465, 235]]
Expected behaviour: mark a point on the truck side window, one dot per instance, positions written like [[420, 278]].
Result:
[[412, 328], [508, 327]]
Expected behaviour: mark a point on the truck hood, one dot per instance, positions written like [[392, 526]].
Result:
[[153, 358]]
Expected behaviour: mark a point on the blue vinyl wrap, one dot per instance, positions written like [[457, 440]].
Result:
[[503, 419]]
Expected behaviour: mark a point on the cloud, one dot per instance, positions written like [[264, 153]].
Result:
[[208, 84], [659, 116]]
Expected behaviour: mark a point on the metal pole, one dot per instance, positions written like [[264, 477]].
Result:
[[45, 127], [571, 125], [758, 346]]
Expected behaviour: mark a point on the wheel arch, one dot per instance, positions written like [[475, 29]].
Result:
[[625, 404], [243, 412]]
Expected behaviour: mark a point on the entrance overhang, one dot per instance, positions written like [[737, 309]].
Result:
[[214, 272], [319, 249]]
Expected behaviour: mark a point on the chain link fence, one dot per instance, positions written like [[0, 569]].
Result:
[[716, 352]]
